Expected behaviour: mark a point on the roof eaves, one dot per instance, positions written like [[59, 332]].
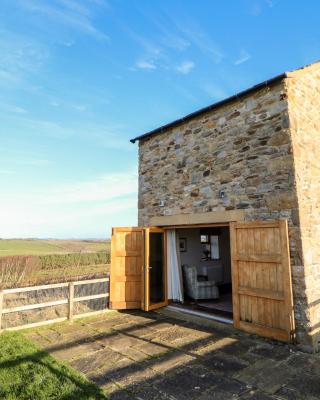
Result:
[[211, 107]]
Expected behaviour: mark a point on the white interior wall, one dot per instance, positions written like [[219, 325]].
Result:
[[193, 254], [194, 250]]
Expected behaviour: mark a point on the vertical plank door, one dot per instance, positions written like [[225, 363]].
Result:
[[127, 261], [261, 279]]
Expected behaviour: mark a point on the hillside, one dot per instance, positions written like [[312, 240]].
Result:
[[23, 247]]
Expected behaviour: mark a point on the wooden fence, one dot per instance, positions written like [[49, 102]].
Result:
[[70, 300]]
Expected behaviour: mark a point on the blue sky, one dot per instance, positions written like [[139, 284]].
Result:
[[79, 78]]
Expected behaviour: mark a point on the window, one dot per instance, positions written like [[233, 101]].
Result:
[[214, 242], [204, 238], [210, 247]]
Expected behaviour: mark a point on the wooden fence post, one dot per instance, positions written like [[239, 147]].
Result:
[[71, 297], [69, 300], [1, 306]]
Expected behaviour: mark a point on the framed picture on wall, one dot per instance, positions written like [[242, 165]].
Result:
[[183, 245]]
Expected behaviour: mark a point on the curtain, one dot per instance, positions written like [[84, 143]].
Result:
[[175, 283]]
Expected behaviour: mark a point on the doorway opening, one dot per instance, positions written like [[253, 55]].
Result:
[[204, 260], [156, 267]]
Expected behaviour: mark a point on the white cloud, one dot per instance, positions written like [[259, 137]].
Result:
[[164, 63], [68, 13], [152, 56], [214, 91], [35, 162], [6, 172], [74, 6], [20, 57], [194, 35], [101, 3], [68, 43], [205, 45], [12, 109], [152, 49], [104, 188], [157, 51], [68, 105], [165, 32], [16, 157], [38, 127], [185, 67], [108, 135], [71, 222], [78, 107], [243, 57], [148, 65], [182, 91], [18, 110], [8, 78], [256, 9], [270, 3], [175, 41], [80, 209]]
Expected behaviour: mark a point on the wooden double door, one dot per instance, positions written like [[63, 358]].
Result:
[[261, 275], [261, 279], [138, 275]]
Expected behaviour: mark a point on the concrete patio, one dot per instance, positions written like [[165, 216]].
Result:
[[152, 356]]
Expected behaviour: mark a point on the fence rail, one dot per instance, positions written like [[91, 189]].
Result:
[[70, 300]]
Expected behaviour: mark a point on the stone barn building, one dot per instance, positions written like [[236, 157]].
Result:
[[241, 174]]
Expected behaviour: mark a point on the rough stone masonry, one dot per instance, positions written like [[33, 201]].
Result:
[[263, 151]]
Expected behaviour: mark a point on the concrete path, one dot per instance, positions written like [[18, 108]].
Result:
[[149, 356]]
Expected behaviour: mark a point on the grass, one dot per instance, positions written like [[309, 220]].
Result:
[[46, 276], [25, 247], [28, 373], [85, 270], [31, 262]]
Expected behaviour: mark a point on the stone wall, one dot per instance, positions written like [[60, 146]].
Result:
[[243, 148], [303, 89]]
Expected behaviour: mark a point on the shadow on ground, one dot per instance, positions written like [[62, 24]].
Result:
[[136, 355]]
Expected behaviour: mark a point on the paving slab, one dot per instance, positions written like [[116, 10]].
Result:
[[212, 344], [102, 326], [221, 362], [273, 351], [149, 356], [304, 385], [127, 375], [170, 361], [227, 389], [152, 349], [90, 363], [152, 392], [134, 354], [187, 383], [76, 350], [257, 395], [119, 341], [267, 375]]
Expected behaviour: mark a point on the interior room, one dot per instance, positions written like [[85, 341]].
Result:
[[203, 255]]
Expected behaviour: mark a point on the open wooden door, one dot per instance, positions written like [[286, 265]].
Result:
[[261, 279], [155, 276], [138, 274], [127, 261]]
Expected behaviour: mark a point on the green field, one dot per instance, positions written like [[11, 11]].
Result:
[[21, 247]]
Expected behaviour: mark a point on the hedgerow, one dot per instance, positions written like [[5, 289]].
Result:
[[73, 259]]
